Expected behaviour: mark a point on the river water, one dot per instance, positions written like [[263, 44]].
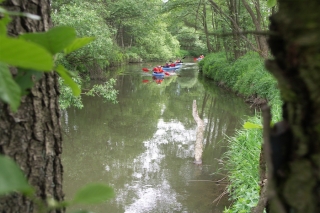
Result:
[[143, 146]]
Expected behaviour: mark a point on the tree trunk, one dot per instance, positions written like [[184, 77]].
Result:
[[205, 27], [32, 136], [233, 13], [234, 24], [295, 46], [261, 40], [215, 27]]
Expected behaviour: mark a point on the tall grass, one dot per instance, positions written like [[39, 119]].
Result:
[[243, 168], [246, 76]]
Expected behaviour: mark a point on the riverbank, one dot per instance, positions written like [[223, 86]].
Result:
[[247, 77]]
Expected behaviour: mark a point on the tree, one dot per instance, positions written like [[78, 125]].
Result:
[[295, 45], [32, 135], [256, 19]]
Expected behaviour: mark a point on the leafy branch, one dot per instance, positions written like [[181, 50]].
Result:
[[34, 52], [104, 90]]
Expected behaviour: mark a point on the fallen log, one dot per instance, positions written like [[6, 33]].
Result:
[[198, 148]]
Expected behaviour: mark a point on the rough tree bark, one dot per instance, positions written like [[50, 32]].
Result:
[[32, 136], [296, 148]]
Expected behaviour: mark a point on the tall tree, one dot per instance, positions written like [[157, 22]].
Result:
[[295, 45], [205, 27], [260, 39], [236, 27], [32, 135], [234, 14]]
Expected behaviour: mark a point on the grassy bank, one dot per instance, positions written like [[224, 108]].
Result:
[[247, 77]]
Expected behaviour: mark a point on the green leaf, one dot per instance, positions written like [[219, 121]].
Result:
[[64, 73], [93, 193], [12, 178], [271, 3], [77, 44], [248, 125], [3, 25], [55, 40], [24, 79], [20, 53], [10, 92]]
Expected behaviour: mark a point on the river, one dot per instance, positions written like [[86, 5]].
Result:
[[143, 146]]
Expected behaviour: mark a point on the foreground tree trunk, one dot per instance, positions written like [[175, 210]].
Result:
[[32, 136], [295, 44]]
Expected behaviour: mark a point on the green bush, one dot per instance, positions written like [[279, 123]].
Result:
[[87, 22], [246, 75]]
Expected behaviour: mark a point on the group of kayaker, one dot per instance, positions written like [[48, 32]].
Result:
[[158, 69], [171, 64]]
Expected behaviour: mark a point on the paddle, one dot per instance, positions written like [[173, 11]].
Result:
[[145, 69]]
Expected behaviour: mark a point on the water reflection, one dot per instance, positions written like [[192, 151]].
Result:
[[144, 146], [157, 79]]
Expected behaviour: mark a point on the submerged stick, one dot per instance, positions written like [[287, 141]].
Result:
[[199, 134]]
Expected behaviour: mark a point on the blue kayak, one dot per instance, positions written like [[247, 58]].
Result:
[[170, 68], [157, 74]]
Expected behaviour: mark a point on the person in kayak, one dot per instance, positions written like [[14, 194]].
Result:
[[158, 69]]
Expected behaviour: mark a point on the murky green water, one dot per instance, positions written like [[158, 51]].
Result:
[[144, 145]]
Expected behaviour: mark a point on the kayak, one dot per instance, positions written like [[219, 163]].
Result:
[[158, 74], [170, 68]]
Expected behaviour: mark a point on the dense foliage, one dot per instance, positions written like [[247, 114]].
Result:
[[125, 30], [85, 19]]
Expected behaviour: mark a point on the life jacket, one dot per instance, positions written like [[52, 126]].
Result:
[[156, 69]]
